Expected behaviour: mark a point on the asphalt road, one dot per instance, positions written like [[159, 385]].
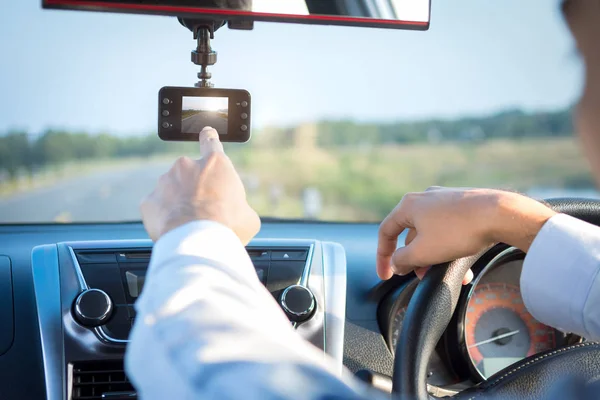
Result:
[[100, 197], [197, 122]]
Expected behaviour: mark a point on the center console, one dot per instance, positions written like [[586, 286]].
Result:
[[86, 291]]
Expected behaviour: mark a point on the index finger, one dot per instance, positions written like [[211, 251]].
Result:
[[389, 230], [209, 142]]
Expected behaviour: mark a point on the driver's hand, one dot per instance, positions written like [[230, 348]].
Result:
[[204, 189], [447, 224]]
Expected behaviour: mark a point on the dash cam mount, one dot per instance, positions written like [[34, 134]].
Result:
[[204, 56]]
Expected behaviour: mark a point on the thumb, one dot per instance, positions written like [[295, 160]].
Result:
[[407, 258], [209, 142]]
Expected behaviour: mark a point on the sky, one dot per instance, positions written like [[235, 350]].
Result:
[[102, 72]]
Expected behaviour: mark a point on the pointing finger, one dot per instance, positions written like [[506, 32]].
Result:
[[209, 142]]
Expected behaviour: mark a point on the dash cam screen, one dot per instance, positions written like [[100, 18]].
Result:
[[198, 112]]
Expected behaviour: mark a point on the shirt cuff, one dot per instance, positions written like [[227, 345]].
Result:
[[559, 272], [205, 244], [209, 240]]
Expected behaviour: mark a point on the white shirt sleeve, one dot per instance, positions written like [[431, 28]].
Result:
[[560, 282], [206, 328]]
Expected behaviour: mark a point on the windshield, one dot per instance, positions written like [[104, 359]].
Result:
[[345, 120]]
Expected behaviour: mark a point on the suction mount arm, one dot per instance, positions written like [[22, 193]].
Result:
[[204, 30], [204, 56]]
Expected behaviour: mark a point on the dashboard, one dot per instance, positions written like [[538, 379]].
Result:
[[85, 292], [67, 292]]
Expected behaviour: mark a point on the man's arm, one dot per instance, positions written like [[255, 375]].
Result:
[[207, 328], [560, 282], [445, 224]]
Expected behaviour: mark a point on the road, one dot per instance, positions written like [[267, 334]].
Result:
[[106, 196], [195, 123]]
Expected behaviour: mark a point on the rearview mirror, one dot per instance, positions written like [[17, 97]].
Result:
[[396, 14]]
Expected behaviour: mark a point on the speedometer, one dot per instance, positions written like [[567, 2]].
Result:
[[498, 329]]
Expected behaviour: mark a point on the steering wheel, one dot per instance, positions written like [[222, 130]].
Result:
[[431, 309]]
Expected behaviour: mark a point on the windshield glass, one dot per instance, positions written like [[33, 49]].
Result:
[[345, 120]]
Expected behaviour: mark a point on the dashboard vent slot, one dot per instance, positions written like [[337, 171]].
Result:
[[101, 380], [95, 257], [134, 256], [143, 256], [259, 253]]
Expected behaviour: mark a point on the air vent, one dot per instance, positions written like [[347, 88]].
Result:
[[95, 257], [134, 256], [101, 380]]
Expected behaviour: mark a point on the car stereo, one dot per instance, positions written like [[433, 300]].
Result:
[[114, 280]]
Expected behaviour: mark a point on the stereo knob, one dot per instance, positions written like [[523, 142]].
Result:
[[298, 302], [92, 308]]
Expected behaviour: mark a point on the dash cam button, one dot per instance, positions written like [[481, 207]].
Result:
[[244, 116], [165, 125], [244, 104], [165, 113], [166, 100], [244, 128]]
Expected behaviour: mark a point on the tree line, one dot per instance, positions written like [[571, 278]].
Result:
[[21, 151], [512, 124]]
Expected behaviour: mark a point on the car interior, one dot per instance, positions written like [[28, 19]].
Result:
[[423, 99]]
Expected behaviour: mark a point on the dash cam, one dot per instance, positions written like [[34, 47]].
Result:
[[184, 112]]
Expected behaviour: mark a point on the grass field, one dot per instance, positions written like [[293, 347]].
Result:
[[365, 183]]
